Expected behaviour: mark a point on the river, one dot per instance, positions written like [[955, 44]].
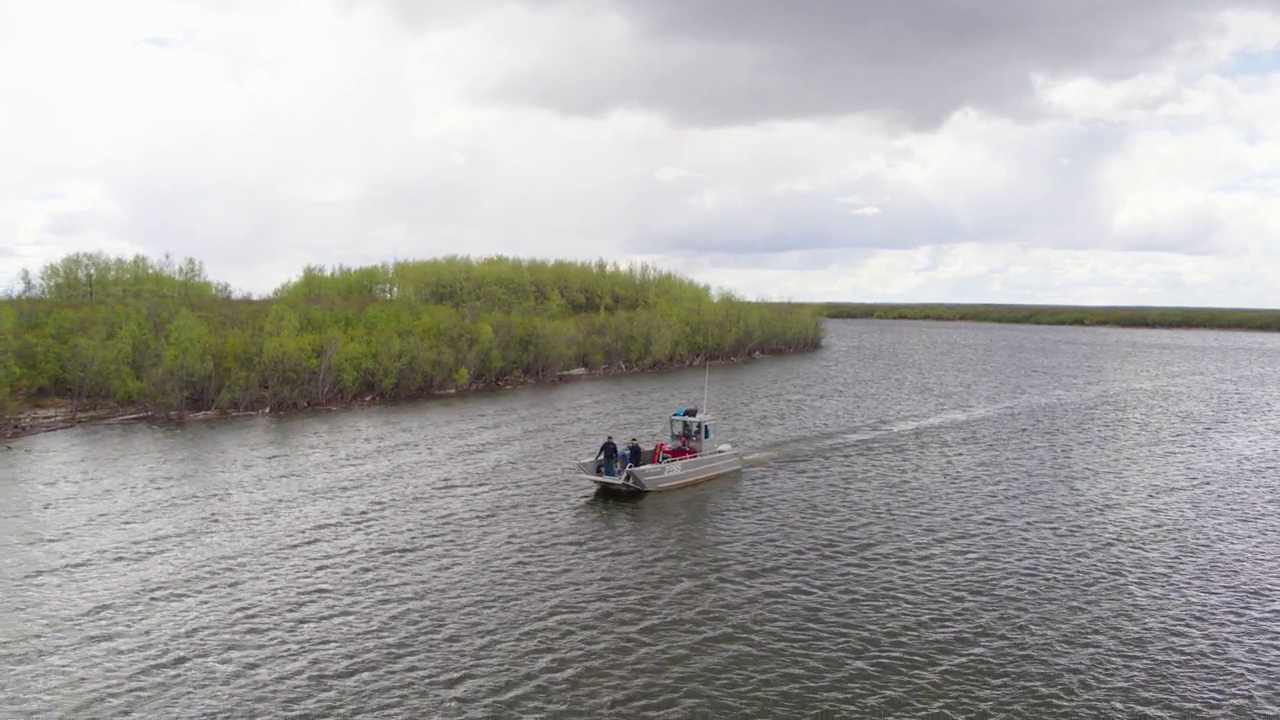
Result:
[[959, 519]]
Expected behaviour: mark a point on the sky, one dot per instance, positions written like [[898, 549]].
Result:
[[1007, 151]]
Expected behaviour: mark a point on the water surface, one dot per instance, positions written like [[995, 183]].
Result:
[[954, 518]]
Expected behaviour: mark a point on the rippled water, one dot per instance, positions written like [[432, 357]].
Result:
[[970, 520]]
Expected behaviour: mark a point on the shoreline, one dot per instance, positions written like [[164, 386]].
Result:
[[1088, 325], [1137, 318], [53, 414]]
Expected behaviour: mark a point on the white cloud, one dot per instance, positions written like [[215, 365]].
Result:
[[260, 137], [978, 273], [669, 174]]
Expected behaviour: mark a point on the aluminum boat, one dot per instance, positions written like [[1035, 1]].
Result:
[[689, 455]]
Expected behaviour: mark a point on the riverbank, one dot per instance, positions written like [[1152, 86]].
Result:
[[57, 414], [1130, 317], [52, 414], [126, 331]]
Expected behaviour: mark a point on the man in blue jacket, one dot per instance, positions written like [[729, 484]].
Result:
[[610, 452]]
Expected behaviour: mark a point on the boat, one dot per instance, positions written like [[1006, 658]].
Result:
[[689, 455]]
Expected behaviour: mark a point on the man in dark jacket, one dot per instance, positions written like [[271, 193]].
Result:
[[610, 452], [634, 451]]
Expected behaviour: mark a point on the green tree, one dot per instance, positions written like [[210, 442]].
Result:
[[93, 328], [187, 373]]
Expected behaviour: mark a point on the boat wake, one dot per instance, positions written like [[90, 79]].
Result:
[[842, 437]]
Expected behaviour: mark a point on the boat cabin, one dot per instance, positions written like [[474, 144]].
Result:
[[696, 433]]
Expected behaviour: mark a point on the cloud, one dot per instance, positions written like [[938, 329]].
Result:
[[159, 43], [1013, 152], [975, 273], [725, 62]]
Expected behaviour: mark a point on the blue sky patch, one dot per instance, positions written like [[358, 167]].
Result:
[[1253, 63]]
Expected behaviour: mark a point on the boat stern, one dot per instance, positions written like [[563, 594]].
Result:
[[592, 471], [616, 484]]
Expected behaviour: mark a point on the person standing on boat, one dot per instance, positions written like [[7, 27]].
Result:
[[635, 452], [610, 452]]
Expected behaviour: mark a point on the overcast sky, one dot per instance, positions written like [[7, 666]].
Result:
[[1096, 151]]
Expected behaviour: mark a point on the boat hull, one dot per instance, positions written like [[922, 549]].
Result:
[[667, 475]]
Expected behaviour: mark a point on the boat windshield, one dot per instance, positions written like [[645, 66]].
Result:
[[686, 428]]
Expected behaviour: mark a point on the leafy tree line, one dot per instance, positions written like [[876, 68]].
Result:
[[90, 328], [1152, 317]]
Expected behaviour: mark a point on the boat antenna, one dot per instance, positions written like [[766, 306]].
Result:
[[706, 380]]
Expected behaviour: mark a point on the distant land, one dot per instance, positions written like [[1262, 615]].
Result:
[[1116, 316]]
